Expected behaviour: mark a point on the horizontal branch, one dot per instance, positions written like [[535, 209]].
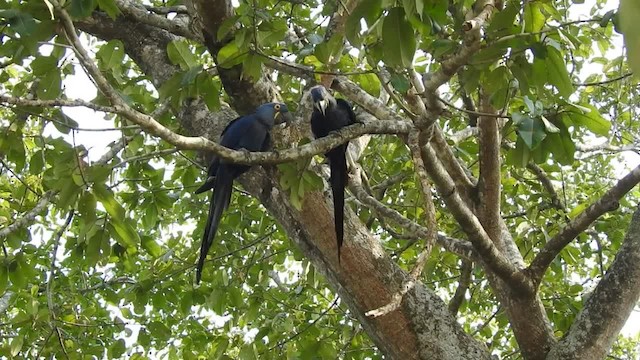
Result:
[[608, 202], [5, 99], [151, 126], [607, 146]]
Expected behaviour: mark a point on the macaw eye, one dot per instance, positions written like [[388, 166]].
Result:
[[276, 106]]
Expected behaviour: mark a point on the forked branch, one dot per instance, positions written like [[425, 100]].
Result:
[[608, 202]]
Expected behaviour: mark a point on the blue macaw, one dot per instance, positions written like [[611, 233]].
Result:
[[251, 133], [331, 114]]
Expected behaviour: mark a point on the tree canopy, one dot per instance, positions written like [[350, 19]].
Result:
[[489, 210]]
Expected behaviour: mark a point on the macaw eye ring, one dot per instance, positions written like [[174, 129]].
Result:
[[276, 107]]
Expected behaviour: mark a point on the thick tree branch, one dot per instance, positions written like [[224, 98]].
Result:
[[356, 94], [245, 93], [141, 14], [491, 256], [489, 183], [608, 307], [608, 202]]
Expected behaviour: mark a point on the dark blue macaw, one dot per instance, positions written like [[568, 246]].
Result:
[[251, 133], [331, 114]]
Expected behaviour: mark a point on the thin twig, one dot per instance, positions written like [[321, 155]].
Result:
[[52, 269], [18, 177], [306, 327], [604, 82]]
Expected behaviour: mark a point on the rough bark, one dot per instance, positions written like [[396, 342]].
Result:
[[367, 279]]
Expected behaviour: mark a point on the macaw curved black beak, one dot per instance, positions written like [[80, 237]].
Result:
[[321, 105], [283, 117]]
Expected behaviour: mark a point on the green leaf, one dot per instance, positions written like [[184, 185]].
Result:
[[561, 146], [64, 123], [110, 7], [608, 16], [120, 226], [558, 74], [530, 130], [22, 23], [252, 67], [369, 82], [210, 91], [629, 12], [400, 83], [117, 349], [399, 39], [16, 275], [180, 54], [87, 207], [36, 163], [226, 26], [159, 330], [230, 55], [82, 8], [327, 51], [16, 345], [49, 86], [43, 64], [189, 76], [504, 19], [247, 352], [111, 55], [534, 20], [591, 120], [151, 246], [68, 194], [221, 346], [369, 11], [519, 156]]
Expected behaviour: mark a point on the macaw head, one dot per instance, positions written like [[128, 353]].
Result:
[[321, 98], [273, 113]]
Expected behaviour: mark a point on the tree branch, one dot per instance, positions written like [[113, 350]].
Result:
[[463, 285], [29, 217], [472, 39], [460, 248], [52, 270], [490, 255], [609, 305], [546, 184], [489, 183], [6, 99], [315, 147], [608, 202], [141, 14]]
